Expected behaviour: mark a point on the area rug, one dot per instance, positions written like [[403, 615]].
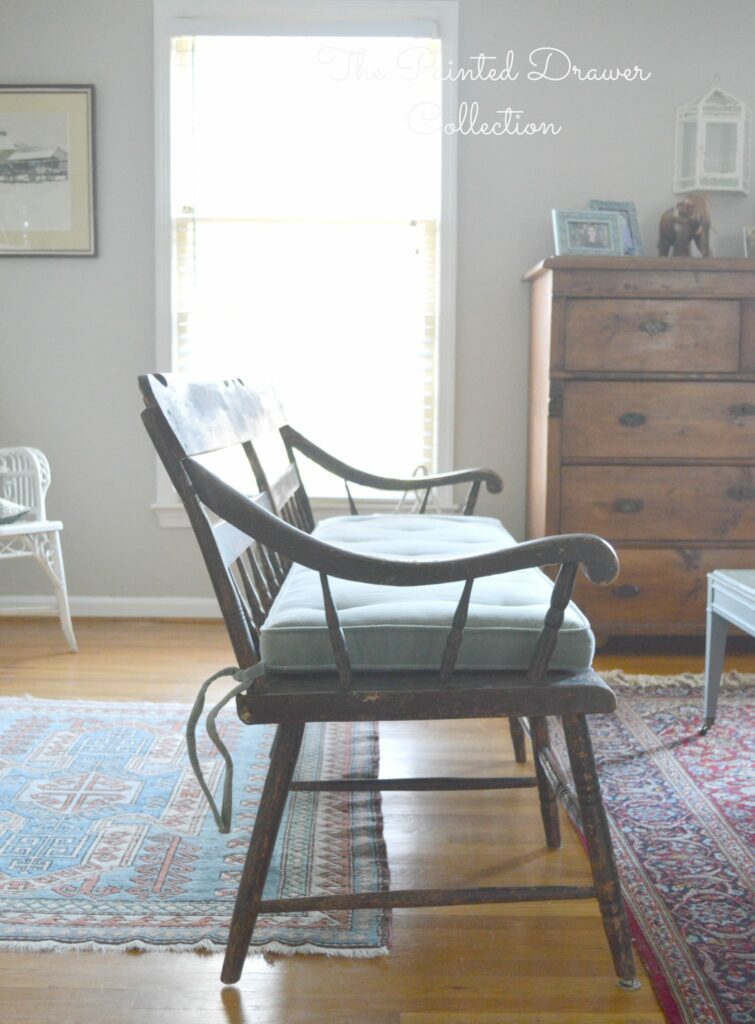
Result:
[[106, 841], [683, 822]]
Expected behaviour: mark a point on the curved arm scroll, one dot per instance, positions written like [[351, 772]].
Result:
[[294, 439], [596, 556]]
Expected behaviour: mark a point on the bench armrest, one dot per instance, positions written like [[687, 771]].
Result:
[[294, 440], [597, 557]]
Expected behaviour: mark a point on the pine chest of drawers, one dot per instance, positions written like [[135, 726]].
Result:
[[642, 427]]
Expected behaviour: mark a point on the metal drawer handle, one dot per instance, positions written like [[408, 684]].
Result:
[[626, 590], [632, 419], [627, 506], [654, 327], [742, 409], [741, 493]]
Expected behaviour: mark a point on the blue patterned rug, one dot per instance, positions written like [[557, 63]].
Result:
[[107, 843]]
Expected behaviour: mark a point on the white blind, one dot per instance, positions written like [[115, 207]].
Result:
[[305, 209]]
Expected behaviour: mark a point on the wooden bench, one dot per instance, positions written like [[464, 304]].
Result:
[[384, 617]]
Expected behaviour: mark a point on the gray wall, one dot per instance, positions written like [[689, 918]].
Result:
[[74, 333]]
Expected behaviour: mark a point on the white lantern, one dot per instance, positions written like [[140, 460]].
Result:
[[713, 144]]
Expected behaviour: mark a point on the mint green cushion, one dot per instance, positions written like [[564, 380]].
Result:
[[398, 628]]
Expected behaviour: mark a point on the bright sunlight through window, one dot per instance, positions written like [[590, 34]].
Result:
[[305, 199]]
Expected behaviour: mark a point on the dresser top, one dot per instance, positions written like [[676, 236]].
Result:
[[630, 263]]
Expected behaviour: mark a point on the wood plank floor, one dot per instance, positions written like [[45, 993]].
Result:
[[517, 964]]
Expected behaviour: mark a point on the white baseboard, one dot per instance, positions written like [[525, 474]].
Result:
[[116, 607]]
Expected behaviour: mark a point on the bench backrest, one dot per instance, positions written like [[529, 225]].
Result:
[[235, 432]]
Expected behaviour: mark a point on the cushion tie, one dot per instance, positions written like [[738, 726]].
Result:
[[245, 677]]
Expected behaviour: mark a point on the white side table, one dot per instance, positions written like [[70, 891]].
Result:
[[731, 599]]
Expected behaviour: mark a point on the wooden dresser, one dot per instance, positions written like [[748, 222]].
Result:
[[642, 427]]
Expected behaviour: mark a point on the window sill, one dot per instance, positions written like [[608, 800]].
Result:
[[172, 516]]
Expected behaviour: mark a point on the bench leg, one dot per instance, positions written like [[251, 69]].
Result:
[[283, 757], [548, 801], [600, 849], [715, 645], [517, 738]]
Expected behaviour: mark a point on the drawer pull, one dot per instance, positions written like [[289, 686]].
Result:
[[626, 590], [741, 409], [628, 506], [741, 493], [654, 327], [632, 419]]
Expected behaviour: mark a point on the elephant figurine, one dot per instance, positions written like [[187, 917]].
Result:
[[685, 223]]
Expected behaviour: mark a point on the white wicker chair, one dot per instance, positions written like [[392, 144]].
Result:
[[24, 478]]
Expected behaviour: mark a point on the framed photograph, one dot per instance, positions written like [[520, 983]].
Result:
[[749, 241], [46, 170], [587, 233], [630, 228]]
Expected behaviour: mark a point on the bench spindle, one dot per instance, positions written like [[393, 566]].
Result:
[[353, 510], [455, 636], [474, 490], [336, 634], [254, 604], [554, 617]]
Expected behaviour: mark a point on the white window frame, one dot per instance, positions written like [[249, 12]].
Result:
[[191, 17]]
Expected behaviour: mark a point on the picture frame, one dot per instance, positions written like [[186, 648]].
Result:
[[630, 228], [748, 236], [588, 233], [47, 186]]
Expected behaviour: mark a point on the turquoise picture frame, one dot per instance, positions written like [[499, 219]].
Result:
[[630, 228], [588, 233]]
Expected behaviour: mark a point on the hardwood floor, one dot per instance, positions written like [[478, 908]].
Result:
[[517, 964]]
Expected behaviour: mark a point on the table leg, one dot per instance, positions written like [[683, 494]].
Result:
[[715, 646]]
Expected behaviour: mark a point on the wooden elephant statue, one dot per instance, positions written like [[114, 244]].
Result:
[[685, 223]]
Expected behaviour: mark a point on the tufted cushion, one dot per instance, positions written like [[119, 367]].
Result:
[[398, 628]]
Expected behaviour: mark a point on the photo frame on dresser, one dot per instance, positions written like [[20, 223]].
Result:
[[587, 233], [630, 228], [47, 196], [748, 235]]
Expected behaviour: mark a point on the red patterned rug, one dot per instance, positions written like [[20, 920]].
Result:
[[683, 820]]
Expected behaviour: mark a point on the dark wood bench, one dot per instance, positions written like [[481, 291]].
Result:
[[231, 456]]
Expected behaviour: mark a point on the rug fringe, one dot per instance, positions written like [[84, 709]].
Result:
[[268, 950], [729, 680], [117, 704], [275, 949]]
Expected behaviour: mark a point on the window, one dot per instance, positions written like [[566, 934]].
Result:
[[307, 219]]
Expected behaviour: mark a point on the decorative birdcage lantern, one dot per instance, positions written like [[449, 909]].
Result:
[[713, 144]]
